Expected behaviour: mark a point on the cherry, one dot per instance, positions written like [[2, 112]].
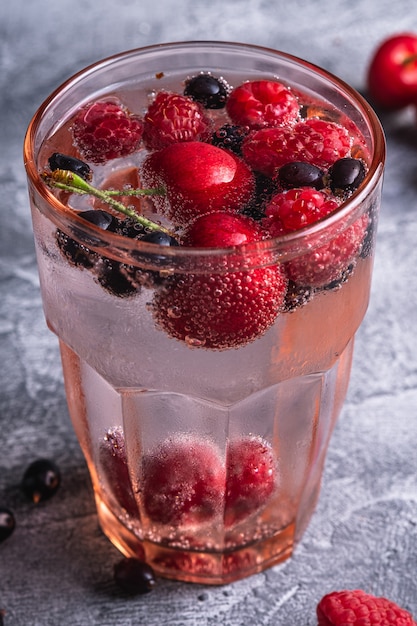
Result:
[[392, 72]]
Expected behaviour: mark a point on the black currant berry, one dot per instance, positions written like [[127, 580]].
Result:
[[345, 175], [161, 238], [209, 91], [297, 296], [300, 174], [229, 137], [134, 576], [264, 190], [7, 523], [41, 480], [58, 161]]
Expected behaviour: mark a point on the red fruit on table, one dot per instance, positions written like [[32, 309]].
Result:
[[392, 73]]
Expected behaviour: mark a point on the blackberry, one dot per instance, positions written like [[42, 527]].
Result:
[[300, 174], [58, 161], [345, 175], [209, 91], [134, 576], [41, 480], [230, 137], [7, 523]]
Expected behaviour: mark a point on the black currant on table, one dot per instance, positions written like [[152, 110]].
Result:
[[41, 480], [134, 576], [7, 523]]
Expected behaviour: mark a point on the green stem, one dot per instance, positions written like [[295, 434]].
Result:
[[72, 183]]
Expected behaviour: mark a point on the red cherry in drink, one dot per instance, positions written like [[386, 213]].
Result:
[[392, 73]]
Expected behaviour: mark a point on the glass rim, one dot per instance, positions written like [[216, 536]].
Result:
[[67, 217]]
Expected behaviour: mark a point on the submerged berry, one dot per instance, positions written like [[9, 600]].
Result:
[[41, 480], [58, 161], [134, 576], [210, 91], [161, 238], [7, 523]]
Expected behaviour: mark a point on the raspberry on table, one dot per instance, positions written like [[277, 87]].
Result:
[[262, 103], [106, 130], [173, 118], [315, 141], [357, 608]]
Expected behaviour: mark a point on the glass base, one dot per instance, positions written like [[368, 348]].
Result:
[[209, 568]]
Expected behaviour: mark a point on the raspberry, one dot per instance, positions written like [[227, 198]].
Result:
[[104, 131], [199, 178], [357, 608], [172, 118], [291, 210], [262, 103], [315, 141], [251, 477], [222, 310], [183, 482]]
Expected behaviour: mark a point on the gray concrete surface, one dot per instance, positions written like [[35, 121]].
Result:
[[56, 569]]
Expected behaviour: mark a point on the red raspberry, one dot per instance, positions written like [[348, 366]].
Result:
[[357, 608], [251, 477], [112, 456], [291, 210], [105, 130], [222, 310], [199, 178], [183, 482], [262, 103], [172, 118], [315, 141]]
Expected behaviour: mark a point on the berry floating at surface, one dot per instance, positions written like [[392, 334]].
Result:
[[210, 91], [262, 103], [357, 608], [106, 130], [173, 118], [199, 178]]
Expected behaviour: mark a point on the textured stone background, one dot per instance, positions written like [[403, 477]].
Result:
[[56, 570]]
